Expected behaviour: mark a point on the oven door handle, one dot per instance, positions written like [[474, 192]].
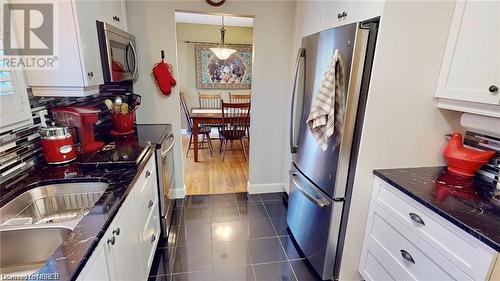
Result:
[[164, 152]]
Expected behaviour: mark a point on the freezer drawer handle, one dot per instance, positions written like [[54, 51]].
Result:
[[416, 218], [322, 203], [407, 256]]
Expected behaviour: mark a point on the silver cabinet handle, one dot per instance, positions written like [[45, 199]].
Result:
[[153, 238], [148, 173], [111, 240], [116, 231], [150, 204], [416, 218], [407, 256], [322, 203]]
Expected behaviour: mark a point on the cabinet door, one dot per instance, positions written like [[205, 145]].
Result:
[[117, 14], [471, 63], [96, 268], [354, 11], [15, 108], [308, 17], [122, 244], [86, 27]]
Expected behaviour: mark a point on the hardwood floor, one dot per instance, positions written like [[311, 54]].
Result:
[[212, 176]]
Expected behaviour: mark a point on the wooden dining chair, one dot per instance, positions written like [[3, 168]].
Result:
[[202, 130], [235, 120], [239, 98], [209, 101]]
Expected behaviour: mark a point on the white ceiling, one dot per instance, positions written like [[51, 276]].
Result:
[[212, 19]]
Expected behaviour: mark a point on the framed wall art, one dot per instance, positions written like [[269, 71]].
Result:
[[232, 73]]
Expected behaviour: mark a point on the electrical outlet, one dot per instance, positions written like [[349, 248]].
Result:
[[43, 114]]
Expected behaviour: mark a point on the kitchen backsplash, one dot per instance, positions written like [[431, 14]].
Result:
[[491, 171], [21, 148]]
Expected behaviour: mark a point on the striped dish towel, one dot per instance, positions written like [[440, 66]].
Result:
[[327, 113]]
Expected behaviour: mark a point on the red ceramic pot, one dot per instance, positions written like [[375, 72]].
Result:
[[462, 160], [123, 123]]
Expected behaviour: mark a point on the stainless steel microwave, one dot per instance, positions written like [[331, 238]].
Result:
[[118, 53]]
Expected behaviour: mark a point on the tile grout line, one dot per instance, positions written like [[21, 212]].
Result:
[[251, 262], [281, 244]]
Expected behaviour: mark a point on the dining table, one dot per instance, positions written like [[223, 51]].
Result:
[[206, 117]]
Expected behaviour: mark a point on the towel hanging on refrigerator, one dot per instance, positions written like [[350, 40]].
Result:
[[327, 112]]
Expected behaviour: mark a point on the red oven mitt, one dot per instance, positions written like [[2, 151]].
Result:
[[163, 77]]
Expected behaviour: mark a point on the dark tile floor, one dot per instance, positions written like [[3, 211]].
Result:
[[231, 237]]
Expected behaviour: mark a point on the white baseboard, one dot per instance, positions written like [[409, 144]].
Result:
[[264, 188], [286, 187], [179, 193]]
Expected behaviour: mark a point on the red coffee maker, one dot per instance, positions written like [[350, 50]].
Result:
[[82, 119]]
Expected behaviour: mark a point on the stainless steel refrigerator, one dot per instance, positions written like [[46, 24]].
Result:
[[321, 181]]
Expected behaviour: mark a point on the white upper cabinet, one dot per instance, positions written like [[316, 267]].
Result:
[[15, 111], [315, 16], [337, 13], [470, 71], [79, 69]]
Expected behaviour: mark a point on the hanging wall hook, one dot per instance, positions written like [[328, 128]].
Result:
[[162, 54]]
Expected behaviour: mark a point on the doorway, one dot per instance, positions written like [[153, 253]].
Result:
[[205, 81]]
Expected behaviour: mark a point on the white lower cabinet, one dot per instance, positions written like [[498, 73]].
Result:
[[122, 245], [397, 248], [127, 248]]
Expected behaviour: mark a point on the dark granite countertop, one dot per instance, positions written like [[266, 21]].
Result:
[[69, 259], [466, 202]]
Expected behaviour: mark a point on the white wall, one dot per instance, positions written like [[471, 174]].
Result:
[[403, 127], [153, 24]]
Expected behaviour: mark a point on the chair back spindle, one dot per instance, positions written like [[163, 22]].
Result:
[[187, 115], [210, 101], [239, 98]]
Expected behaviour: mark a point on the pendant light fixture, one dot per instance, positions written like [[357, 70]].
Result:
[[221, 51]]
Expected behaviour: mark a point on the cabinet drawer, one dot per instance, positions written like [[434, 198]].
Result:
[[467, 253], [149, 170], [405, 251], [150, 237], [374, 268]]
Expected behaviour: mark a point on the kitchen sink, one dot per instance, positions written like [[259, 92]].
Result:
[[55, 203], [25, 250]]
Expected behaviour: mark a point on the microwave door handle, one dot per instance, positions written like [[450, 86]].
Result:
[[293, 145], [135, 58]]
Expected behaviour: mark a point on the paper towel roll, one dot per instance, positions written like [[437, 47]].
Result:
[[481, 124]]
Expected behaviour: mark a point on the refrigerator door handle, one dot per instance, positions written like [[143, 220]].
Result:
[[320, 202], [293, 145]]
